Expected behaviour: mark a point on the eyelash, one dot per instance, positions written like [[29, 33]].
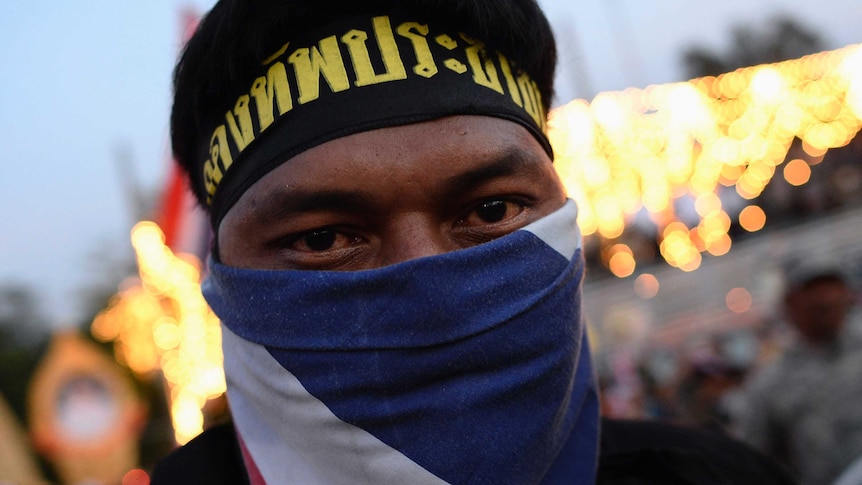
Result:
[[293, 240], [520, 202]]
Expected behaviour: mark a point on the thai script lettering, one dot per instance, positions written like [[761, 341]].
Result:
[[296, 76]]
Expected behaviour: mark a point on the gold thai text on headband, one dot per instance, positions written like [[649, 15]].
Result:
[[356, 75]]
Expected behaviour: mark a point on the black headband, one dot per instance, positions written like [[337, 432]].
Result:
[[356, 75]]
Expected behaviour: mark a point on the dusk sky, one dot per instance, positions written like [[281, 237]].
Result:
[[82, 81]]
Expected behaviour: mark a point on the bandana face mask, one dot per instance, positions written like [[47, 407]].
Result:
[[466, 367]]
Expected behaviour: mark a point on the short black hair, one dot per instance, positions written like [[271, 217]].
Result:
[[223, 56], [803, 273]]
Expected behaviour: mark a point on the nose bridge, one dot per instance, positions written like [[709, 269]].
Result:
[[414, 235]]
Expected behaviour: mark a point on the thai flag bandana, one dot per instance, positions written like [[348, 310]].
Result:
[[469, 367]]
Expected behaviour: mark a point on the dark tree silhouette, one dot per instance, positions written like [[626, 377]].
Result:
[[21, 321], [781, 39], [835, 182]]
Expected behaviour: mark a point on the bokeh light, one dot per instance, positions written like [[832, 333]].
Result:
[[797, 172], [136, 477], [621, 261], [162, 324], [643, 149], [752, 218], [646, 286], [738, 300]]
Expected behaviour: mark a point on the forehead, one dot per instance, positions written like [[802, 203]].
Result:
[[403, 159]]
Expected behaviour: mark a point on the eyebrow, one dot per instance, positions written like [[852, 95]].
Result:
[[512, 161], [284, 203], [291, 201]]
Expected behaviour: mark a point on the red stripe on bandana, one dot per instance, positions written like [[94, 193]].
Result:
[[254, 476]]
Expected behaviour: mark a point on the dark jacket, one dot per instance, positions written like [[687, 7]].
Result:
[[632, 452]]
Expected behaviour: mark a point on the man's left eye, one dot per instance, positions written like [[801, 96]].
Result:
[[321, 240], [492, 212]]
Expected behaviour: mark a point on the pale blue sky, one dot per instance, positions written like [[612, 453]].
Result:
[[78, 79]]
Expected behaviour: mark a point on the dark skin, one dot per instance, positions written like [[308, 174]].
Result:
[[818, 309], [386, 196]]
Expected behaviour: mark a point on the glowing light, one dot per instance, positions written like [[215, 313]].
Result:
[[622, 261], [692, 263], [768, 84], [644, 148], [163, 323], [707, 203], [713, 226], [812, 150], [646, 286], [136, 477], [797, 172], [738, 300], [720, 246], [752, 218]]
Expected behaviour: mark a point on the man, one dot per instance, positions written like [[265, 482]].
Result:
[[804, 408], [396, 265]]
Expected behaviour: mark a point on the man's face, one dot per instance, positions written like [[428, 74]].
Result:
[[381, 197], [819, 309]]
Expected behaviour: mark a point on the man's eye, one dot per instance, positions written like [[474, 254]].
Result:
[[492, 211], [320, 240], [323, 248]]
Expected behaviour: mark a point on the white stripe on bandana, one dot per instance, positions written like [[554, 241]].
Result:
[[559, 230], [293, 438]]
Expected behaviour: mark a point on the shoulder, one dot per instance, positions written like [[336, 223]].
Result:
[[646, 452], [771, 379], [213, 457]]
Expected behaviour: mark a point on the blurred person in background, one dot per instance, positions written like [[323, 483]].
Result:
[[708, 392], [805, 408]]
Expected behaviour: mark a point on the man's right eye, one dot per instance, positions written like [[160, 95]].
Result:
[[493, 211], [322, 240], [319, 240]]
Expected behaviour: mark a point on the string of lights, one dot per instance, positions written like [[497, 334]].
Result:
[[639, 150]]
